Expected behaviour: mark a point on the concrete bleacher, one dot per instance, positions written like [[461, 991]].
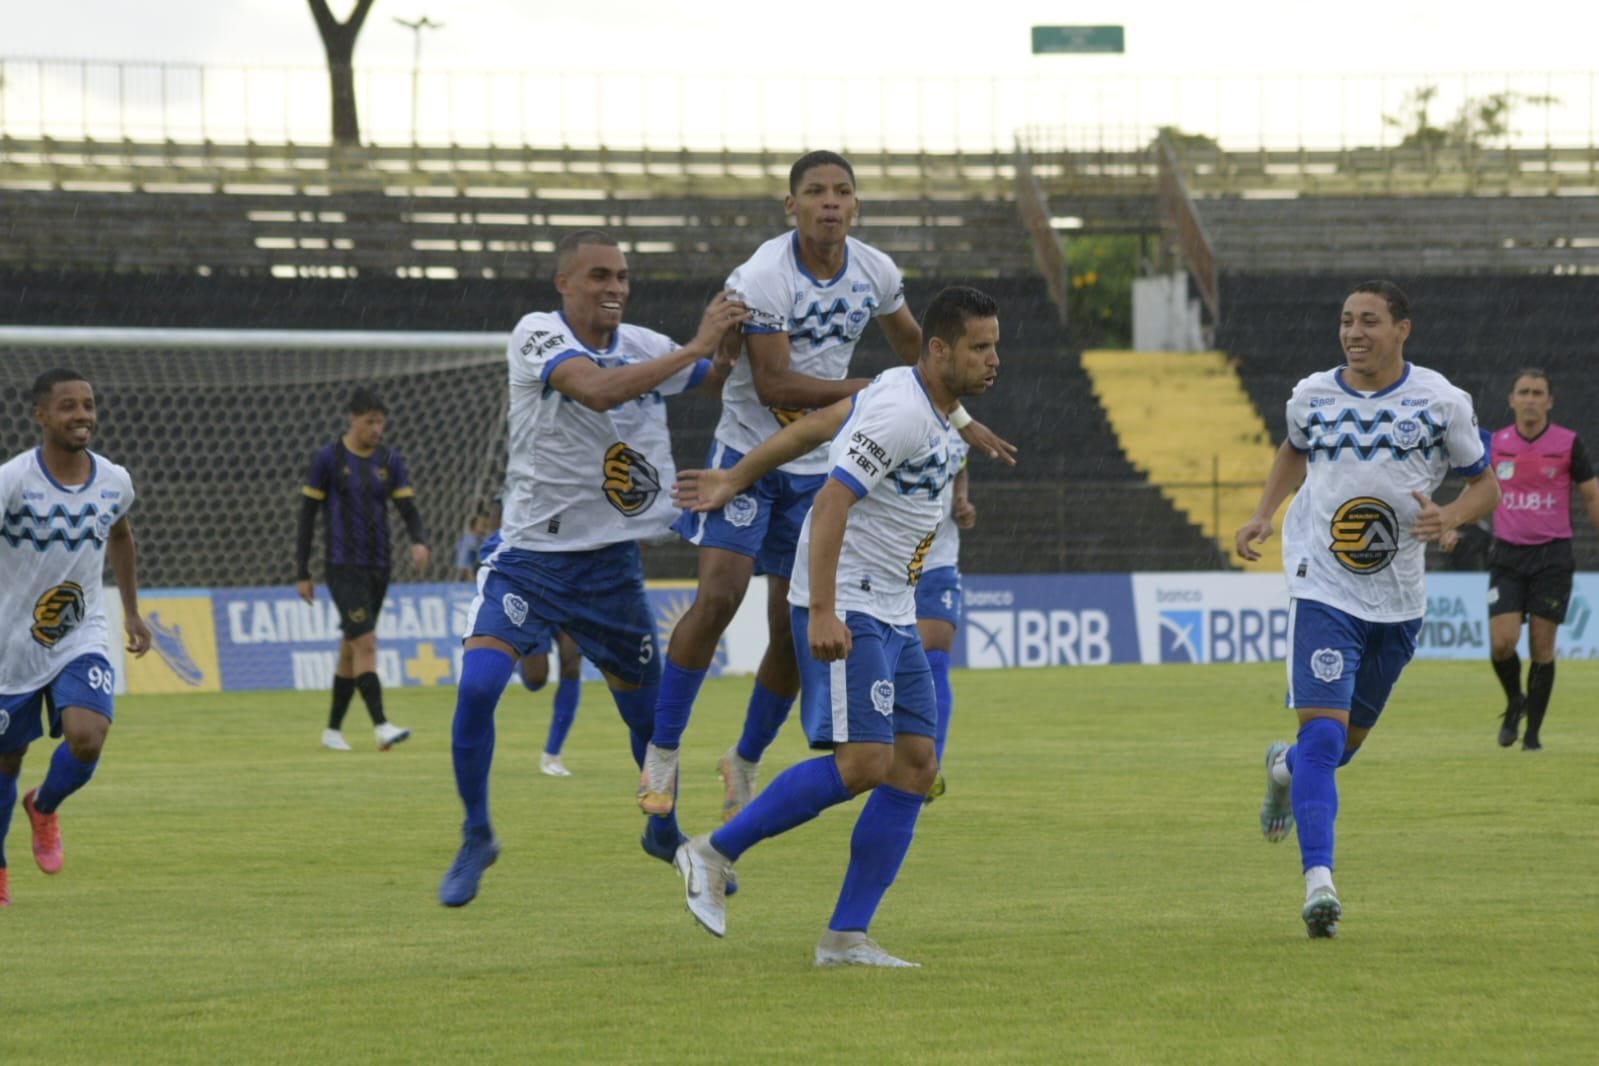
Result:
[[1478, 330], [1185, 420], [1383, 235], [342, 234]]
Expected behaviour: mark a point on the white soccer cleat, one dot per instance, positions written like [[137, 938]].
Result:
[[389, 734], [857, 949], [705, 872], [1276, 810], [1321, 913], [657, 783], [552, 766], [334, 740], [738, 782]]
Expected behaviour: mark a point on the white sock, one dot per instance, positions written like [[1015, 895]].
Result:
[[1317, 877]]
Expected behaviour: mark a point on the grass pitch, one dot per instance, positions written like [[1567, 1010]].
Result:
[[1093, 888]]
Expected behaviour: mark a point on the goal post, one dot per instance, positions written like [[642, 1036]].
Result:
[[217, 428]]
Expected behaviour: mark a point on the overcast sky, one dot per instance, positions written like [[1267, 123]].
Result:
[[1226, 36], [767, 41]]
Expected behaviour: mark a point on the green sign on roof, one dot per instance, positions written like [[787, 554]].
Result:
[[1105, 39]]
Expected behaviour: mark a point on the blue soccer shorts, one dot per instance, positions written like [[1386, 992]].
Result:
[[938, 595], [596, 596], [761, 523], [883, 688], [1342, 663], [87, 681]]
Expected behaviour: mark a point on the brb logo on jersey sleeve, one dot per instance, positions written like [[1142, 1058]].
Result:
[[57, 613], [1365, 535], [631, 482]]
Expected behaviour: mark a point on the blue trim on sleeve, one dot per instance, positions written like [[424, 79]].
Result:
[[845, 478], [570, 353], [1297, 448], [1474, 469], [762, 329], [697, 375]]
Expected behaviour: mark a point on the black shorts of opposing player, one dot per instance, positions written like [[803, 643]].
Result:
[[358, 593], [1530, 579]]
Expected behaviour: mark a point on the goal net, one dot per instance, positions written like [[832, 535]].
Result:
[[217, 428]]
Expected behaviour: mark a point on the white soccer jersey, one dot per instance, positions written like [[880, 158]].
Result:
[[946, 547], [579, 479], [52, 557], [824, 319], [1346, 538], [893, 453]]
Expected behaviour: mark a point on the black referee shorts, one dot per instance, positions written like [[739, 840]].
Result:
[[1530, 579], [358, 593]]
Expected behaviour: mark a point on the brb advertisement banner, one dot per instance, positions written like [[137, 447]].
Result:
[[206, 640], [210, 640], [1046, 620]]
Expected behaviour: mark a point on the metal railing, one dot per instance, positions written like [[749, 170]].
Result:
[[106, 99]]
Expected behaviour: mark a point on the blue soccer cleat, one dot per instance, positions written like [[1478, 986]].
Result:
[[478, 851]]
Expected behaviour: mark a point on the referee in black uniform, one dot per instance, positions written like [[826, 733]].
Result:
[[355, 477]]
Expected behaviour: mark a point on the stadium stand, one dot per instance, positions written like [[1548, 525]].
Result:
[[1184, 419]]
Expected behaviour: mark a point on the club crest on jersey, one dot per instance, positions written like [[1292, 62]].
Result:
[[631, 483], [1505, 469], [883, 697], [515, 608], [57, 613], [1327, 664], [741, 510], [1407, 432], [1365, 535]]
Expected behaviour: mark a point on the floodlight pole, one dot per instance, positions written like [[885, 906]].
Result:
[[416, 26]]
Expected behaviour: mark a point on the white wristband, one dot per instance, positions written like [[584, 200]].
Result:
[[960, 418]]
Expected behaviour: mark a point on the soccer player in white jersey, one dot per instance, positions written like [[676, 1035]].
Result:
[[866, 692], [811, 293], [582, 486], [1370, 441], [938, 599], [65, 515]]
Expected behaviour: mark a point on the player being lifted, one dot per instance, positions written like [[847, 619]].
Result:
[[867, 694], [65, 515], [810, 293], [579, 493]]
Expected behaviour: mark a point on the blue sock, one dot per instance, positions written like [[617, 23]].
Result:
[[637, 708], [763, 719], [566, 694], [794, 797], [675, 703], [876, 849], [484, 672], [1343, 760], [8, 803], [1314, 792], [945, 698], [65, 776]]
